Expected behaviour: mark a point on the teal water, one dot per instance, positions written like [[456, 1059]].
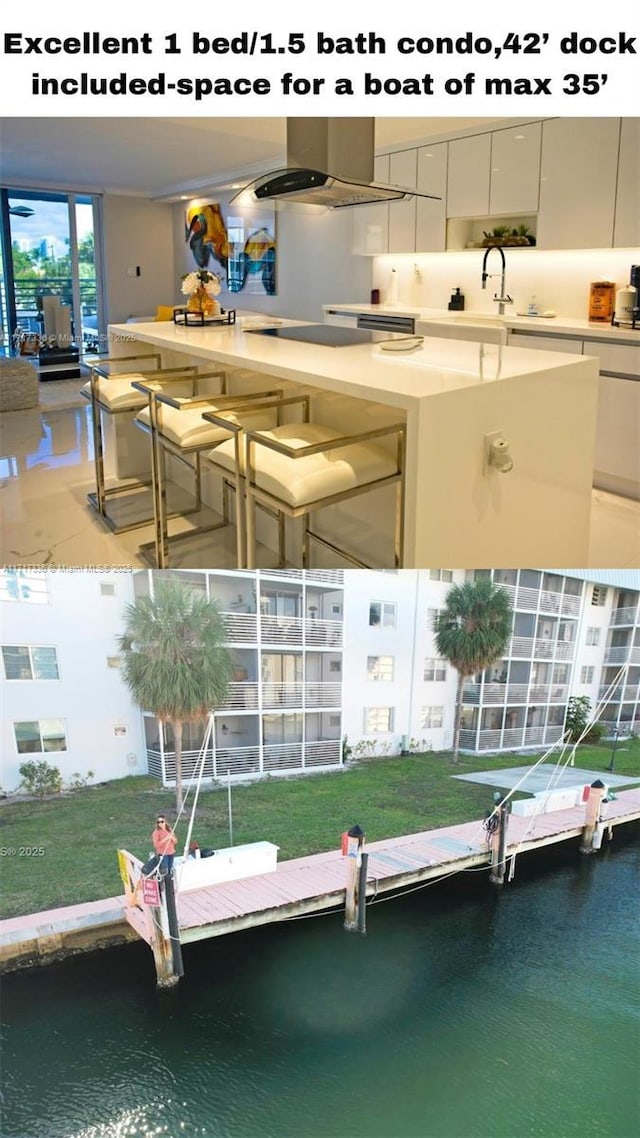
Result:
[[462, 1014]]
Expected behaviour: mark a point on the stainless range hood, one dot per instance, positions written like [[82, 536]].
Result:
[[329, 164]]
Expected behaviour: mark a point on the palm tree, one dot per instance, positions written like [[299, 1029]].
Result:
[[472, 631], [174, 661]]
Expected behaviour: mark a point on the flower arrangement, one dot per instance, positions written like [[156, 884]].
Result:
[[202, 287]]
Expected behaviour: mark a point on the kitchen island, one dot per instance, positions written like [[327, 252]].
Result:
[[455, 398]]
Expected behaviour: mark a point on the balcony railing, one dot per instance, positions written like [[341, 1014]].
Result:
[[240, 627], [622, 655], [281, 629], [241, 695], [324, 633], [626, 615], [620, 694], [326, 752]]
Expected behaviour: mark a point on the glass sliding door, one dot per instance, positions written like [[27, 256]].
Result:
[[49, 251]]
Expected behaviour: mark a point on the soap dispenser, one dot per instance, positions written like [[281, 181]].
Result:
[[456, 304]]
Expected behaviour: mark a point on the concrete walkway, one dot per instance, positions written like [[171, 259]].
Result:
[[538, 780]]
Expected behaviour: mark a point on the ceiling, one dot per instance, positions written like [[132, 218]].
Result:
[[158, 157]]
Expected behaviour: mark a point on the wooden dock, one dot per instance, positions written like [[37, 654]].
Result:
[[317, 883]]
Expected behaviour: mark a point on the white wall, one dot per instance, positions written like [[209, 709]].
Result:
[[314, 263], [137, 232], [560, 279], [91, 697], [410, 642]]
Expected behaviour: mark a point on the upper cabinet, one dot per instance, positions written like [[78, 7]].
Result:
[[515, 170], [578, 176], [371, 222], [468, 181], [431, 215], [403, 171], [626, 229], [575, 183]]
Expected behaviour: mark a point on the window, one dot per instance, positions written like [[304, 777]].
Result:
[[335, 665], [113, 661], [441, 574], [599, 595], [435, 670], [382, 614], [431, 717], [107, 589], [380, 668], [37, 736], [593, 635], [20, 585], [378, 720], [586, 676], [432, 616], [24, 663]]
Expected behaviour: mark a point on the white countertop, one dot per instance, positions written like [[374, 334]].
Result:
[[397, 379], [555, 326]]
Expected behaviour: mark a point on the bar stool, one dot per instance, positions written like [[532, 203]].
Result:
[[113, 394], [299, 468], [177, 427]]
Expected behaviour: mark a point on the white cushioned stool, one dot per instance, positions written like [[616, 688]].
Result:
[[110, 391], [179, 427], [299, 468]]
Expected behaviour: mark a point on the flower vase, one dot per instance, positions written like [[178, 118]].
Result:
[[200, 301]]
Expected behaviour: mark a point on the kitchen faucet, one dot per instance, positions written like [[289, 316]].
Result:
[[504, 297]]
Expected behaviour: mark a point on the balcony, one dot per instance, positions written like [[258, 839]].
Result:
[[324, 633], [624, 615], [242, 761]]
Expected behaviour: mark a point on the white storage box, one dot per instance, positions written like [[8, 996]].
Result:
[[225, 865]]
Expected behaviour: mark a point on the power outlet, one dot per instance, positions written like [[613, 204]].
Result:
[[492, 464], [489, 440]]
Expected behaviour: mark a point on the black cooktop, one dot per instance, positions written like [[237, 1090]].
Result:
[[324, 334]]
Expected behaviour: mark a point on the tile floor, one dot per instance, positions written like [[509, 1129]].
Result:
[[46, 471]]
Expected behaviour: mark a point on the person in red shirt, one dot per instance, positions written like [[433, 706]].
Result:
[[164, 843]]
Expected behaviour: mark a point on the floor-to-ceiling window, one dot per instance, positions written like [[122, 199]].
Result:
[[50, 244]]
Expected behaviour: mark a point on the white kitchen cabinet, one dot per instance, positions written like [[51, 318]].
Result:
[[626, 230], [468, 176], [617, 457], [515, 169], [578, 176], [403, 171], [617, 460], [431, 215], [546, 343], [371, 222]]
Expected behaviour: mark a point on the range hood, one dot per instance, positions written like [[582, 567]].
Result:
[[329, 164]]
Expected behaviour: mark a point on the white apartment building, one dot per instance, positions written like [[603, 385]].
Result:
[[319, 657]]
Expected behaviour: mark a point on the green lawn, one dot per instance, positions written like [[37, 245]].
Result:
[[387, 797]]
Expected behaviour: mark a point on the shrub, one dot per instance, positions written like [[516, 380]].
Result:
[[78, 781], [40, 778]]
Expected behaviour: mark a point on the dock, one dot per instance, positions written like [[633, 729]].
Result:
[[317, 883], [296, 888]]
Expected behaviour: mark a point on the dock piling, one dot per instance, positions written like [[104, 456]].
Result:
[[355, 839], [596, 794], [167, 951], [499, 842]]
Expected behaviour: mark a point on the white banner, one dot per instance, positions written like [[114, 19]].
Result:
[[259, 59]]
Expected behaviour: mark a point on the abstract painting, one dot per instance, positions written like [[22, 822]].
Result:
[[243, 246]]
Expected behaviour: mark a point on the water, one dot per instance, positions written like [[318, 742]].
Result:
[[462, 1014]]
